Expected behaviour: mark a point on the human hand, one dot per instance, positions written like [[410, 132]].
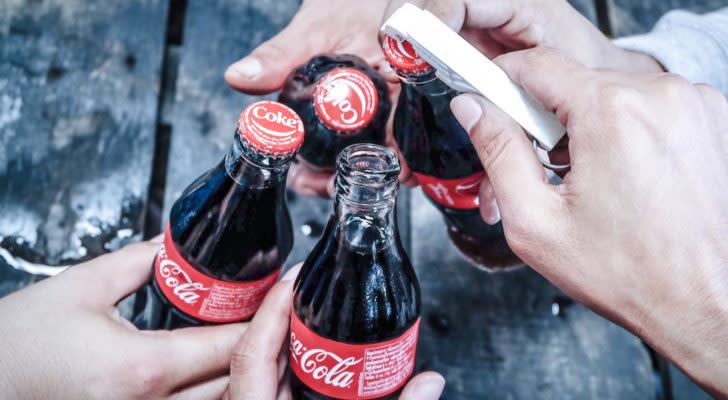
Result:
[[319, 26], [637, 229], [259, 361], [497, 27], [63, 338]]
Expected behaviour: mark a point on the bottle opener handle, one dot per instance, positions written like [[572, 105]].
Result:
[[462, 67]]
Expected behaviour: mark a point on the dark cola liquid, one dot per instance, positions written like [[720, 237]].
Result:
[[233, 229], [323, 144], [433, 143], [357, 286]]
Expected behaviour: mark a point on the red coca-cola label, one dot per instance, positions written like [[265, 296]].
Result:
[[204, 297], [351, 371], [271, 127], [459, 193], [346, 99], [401, 55]]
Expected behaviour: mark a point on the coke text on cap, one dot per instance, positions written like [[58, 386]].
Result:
[[401, 55], [346, 100], [271, 127]]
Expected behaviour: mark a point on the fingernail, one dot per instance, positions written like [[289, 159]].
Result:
[[429, 389], [494, 216], [248, 68], [466, 110]]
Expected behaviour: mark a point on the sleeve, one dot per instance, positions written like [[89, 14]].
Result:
[[691, 45]]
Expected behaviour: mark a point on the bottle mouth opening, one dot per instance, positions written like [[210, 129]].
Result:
[[368, 165]]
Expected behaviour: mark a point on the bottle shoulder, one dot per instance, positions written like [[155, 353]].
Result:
[[357, 296]]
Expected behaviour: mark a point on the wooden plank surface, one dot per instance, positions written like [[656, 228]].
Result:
[[78, 94], [629, 17]]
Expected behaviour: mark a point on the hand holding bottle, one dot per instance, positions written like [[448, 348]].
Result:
[[258, 366], [637, 229], [63, 338]]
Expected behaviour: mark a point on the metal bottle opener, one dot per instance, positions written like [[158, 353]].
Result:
[[462, 67]]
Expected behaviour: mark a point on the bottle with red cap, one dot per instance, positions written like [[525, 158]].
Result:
[[342, 101], [230, 231], [356, 303], [442, 158]]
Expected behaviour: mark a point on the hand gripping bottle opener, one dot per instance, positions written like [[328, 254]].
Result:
[[462, 67]]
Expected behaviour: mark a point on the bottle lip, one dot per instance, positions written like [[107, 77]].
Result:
[[271, 128], [368, 165]]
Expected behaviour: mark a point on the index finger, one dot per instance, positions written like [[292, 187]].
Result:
[[551, 78]]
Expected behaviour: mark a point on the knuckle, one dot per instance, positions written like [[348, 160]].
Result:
[[675, 88], [620, 105], [534, 57], [615, 97], [494, 147], [144, 378], [244, 358], [273, 49]]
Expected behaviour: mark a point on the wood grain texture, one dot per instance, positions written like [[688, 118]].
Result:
[[630, 17], [78, 93]]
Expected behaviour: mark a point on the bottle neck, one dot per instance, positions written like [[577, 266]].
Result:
[[246, 166], [427, 84], [366, 194]]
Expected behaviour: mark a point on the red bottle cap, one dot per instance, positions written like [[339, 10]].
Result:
[[271, 127], [402, 56], [346, 99]]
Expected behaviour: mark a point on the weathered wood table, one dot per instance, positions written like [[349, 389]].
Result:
[[109, 109]]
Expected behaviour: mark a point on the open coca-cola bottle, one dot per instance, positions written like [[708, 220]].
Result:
[[442, 158], [356, 305], [229, 232], [342, 101]]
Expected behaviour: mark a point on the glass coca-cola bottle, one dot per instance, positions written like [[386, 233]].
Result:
[[229, 232], [342, 101], [356, 305], [442, 158]]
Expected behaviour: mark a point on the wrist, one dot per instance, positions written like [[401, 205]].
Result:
[[688, 324]]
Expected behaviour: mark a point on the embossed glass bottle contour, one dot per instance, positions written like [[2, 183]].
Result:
[[356, 306], [229, 232], [442, 158]]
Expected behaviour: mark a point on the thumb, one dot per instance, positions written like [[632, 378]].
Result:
[[424, 386], [266, 68], [524, 197]]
